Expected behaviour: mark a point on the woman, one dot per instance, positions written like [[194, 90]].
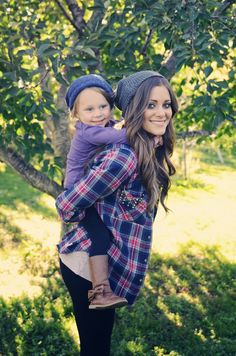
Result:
[[124, 183]]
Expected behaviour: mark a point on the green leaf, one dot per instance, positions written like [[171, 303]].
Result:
[[61, 80], [42, 48], [89, 51], [208, 70]]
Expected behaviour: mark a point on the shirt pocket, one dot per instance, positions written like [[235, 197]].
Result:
[[131, 205]]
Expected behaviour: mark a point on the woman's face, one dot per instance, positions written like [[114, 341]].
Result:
[[92, 108], [158, 112]]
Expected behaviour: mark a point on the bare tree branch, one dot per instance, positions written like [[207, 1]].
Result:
[[35, 178]]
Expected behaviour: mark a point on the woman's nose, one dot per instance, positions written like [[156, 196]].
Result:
[[160, 111]]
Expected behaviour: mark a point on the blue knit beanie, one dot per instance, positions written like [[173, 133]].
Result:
[[128, 86], [88, 81]]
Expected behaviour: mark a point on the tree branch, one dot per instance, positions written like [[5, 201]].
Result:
[[231, 119], [35, 178], [77, 14], [222, 8], [193, 133], [148, 39], [169, 65], [67, 16], [96, 19]]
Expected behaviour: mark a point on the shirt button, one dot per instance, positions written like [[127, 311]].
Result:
[[140, 280], [149, 237], [145, 260]]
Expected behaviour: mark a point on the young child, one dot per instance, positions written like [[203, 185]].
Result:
[[90, 100]]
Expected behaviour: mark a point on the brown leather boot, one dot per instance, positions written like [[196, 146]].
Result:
[[101, 296]]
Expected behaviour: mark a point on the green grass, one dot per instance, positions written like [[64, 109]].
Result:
[[187, 308], [188, 305], [13, 190]]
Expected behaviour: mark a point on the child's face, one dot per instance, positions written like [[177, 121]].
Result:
[[158, 112], [92, 108]]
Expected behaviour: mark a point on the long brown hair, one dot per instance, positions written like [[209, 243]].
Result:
[[154, 164]]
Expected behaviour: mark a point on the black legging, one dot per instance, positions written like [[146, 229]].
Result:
[[98, 233], [94, 326]]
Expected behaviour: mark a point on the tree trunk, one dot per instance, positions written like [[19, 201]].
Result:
[[35, 178]]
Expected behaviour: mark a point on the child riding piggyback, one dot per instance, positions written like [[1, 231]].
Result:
[[90, 100]]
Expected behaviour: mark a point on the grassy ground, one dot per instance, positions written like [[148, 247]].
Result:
[[188, 304]]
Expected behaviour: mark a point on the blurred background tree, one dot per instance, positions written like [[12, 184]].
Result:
[[47, 44]]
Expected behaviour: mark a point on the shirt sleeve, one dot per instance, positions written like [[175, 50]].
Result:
[[99, 135], [103, 179]]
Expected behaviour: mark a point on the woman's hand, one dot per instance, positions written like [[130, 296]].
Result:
[[119, 125]]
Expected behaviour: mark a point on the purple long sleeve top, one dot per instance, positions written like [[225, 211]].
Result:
[[84, 144]]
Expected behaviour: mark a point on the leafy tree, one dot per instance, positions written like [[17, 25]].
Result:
[[46, 44]]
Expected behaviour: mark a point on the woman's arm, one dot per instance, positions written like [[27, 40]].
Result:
[[104, 177]]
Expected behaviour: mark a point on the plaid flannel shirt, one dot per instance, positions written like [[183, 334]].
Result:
[[113, 186]]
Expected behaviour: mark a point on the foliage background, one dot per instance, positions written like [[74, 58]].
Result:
[[47, 44], [188, 305]]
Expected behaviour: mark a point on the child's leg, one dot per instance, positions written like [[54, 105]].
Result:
[[98, 232], [101, 296]]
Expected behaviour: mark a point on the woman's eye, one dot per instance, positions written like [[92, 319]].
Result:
[[151, 106], [167, 105]]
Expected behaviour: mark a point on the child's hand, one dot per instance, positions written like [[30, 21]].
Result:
[[119, 125], [158, 141]]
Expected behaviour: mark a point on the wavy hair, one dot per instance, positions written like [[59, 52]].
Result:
[[155, 165]]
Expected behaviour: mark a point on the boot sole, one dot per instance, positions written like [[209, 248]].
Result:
[[108, 306]]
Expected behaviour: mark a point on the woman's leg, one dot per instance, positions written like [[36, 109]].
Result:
[[94, 326]]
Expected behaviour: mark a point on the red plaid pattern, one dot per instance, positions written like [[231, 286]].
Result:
[[113, 186]]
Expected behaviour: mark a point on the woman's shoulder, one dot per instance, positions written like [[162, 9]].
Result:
[[119, 149], [118, 152]]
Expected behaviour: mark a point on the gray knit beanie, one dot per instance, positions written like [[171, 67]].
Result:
[[127, 87], [88, 81]]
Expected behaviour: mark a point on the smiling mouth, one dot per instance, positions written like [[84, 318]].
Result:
[[99, 122], [161, 122]]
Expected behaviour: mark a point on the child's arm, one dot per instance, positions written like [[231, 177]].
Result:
[[101, 181], [99, 135]]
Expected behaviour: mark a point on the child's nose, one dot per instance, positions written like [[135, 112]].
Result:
[[99, 112]]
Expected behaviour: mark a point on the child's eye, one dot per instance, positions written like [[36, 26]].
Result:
[[88, 109], [104, 106]]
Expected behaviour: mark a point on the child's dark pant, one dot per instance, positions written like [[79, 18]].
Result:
[[97, 232]]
